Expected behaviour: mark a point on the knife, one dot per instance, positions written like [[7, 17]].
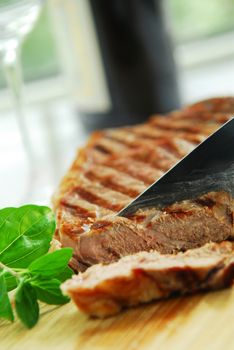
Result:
[[209, 167]]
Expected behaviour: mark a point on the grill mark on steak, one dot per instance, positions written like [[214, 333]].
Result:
[[184, 121], [102, 149], [201, 116], [82, 207], [78, 211], [111, 178], [126, 137], [176, 146], [220, 104], [110, 183], [93, 198], [151, 132], [136, 169], [133, 140], [97, 156], [158, 157], [110, 146], [205, 127], [104, 197]]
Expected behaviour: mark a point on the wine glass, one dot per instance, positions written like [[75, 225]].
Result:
[[17, 18]]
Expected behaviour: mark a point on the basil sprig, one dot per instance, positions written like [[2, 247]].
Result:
[[25, 264]]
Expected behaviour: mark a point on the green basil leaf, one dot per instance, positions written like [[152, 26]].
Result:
[[25, 234], [52, 263], [64, 275], [5, 305], [49, 291], [10, 280], [26, 304]]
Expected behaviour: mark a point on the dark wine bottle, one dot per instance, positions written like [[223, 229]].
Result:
[[128, 58]]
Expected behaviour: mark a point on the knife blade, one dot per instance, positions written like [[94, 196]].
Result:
[[209, 167]]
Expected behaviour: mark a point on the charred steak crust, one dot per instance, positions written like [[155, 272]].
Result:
[[116, 165], [104, 290]]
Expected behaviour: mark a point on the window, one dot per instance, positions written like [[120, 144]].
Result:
[[199, 19], [203, 32]]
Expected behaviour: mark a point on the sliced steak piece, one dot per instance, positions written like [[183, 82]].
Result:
[[181, 226], [104, 290]]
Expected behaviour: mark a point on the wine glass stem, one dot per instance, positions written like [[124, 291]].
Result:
[[11, 65]]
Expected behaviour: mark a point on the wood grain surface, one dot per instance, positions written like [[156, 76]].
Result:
[[196, 322]]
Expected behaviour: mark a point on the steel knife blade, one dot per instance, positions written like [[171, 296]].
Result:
[[209, 167]]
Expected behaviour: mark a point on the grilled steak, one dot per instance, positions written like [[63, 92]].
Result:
[[116, 165], [104, 290]]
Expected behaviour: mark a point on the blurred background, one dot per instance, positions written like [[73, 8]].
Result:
[[61, 72]]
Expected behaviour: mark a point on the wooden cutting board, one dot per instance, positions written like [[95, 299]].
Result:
[[197, 322]]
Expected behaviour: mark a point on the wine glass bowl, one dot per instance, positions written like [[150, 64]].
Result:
[[17, 19]]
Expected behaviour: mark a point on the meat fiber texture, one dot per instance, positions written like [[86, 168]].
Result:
[[181, 226], [118, 164], [103, 291]]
